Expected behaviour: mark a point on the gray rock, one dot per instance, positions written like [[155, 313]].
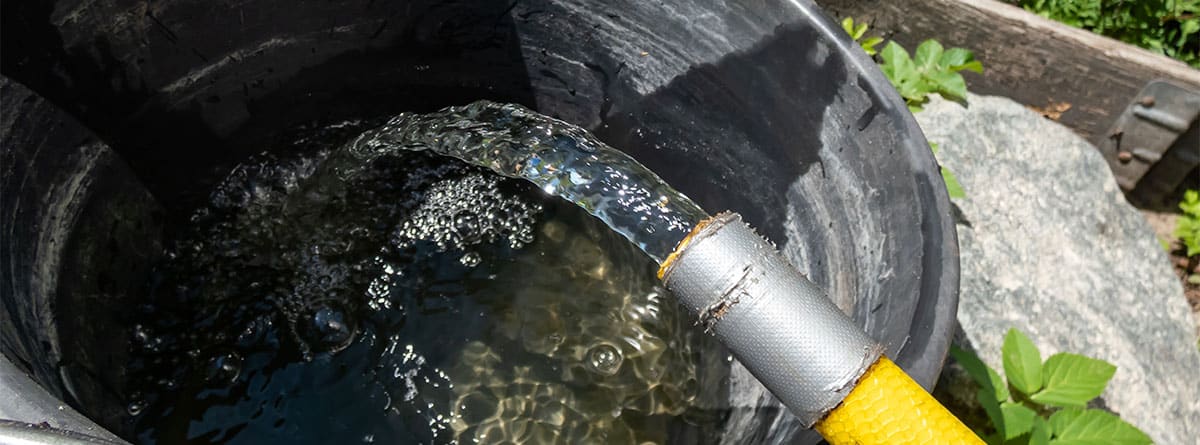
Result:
[[1050, 246]]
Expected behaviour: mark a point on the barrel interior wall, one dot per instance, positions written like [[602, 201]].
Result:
[[761, 108]]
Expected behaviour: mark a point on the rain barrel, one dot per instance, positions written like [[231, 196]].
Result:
[[119, 116]]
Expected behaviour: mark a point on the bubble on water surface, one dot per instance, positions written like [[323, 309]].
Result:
[[225, 368], [605, 359], [428, 300], [560, 158], [465, 211], [470, 259], [329, 328]]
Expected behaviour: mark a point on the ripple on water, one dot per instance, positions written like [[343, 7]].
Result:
[[329, 296]]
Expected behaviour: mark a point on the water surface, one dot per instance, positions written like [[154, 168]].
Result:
[[368, 292]]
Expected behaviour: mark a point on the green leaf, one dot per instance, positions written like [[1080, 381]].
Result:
[[987, 378], [951, 85], [928, 54], [973, 65], [1072, 380], [1186, 28], [854, 31], [1018, 419], [1188, 227], [954, 58], [1063, 417], [933, 146], [1022, 362], [896, 63], [913, 92], [991, 407], [1094, 426], [922, 74], [1194, 278], [860, 31], [1040, 434], [869, 43], [1191, 203], [1191, 243], [896, 55], [953, 187], [1189, 233], [872, 41]]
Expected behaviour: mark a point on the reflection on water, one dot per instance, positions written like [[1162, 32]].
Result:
[[405, 297]]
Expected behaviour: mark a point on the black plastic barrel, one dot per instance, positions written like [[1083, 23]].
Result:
[[119, 116]]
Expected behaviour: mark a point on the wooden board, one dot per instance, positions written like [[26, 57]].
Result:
[[1030, 59]]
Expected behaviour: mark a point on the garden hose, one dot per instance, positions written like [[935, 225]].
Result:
[[794, 340], [888, 407]]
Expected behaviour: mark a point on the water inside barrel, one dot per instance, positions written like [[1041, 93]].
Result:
[[326, 295]]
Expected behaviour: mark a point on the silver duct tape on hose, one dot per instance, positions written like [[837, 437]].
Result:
[[780, 325]]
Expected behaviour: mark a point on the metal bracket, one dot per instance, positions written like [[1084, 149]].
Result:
[[1154, 144]]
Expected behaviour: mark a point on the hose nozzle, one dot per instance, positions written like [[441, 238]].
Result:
[[794, 340], [780, 325]]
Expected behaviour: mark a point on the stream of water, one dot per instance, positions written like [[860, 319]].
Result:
[[562, 159], [375, 291]]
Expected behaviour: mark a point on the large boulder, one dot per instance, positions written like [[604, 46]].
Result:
[[1050, 246]]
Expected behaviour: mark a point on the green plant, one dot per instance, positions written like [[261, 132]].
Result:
[[931, 69], [953, 187], [1188, 227], [920, 77], [858, 32], [1045, 402], [1169, 27]]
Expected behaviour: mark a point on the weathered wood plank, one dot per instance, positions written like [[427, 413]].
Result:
[[1026, 57]]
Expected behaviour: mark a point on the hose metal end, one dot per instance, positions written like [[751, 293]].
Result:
[[780, 325]]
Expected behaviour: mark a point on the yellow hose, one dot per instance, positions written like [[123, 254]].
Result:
[[888, 407]]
